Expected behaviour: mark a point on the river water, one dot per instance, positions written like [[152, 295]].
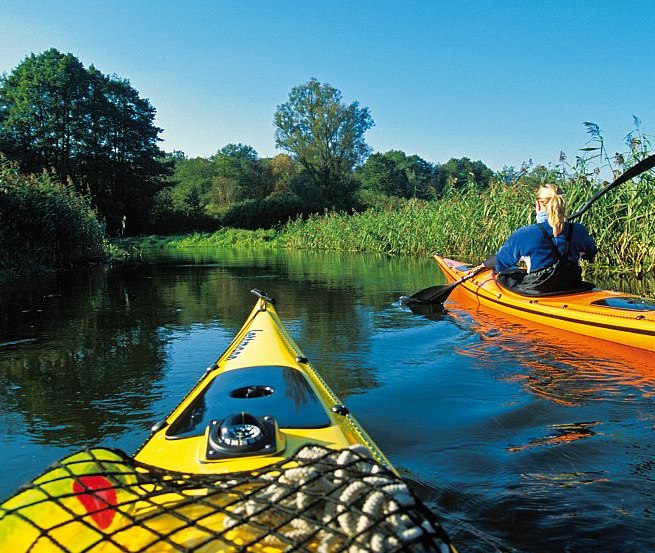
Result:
[[520, 438]]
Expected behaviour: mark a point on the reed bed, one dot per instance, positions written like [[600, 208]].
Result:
[[472, 224], [469, 224]]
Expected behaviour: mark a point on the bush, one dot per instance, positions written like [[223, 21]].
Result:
[[44, 223], [266, 213]]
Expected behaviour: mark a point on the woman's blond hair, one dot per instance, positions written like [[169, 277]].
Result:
[[551, 198]]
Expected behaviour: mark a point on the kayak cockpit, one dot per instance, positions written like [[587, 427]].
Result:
[[249, 412]]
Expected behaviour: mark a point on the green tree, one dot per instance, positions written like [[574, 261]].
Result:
[[458, 173], [86, 126], [421, 174], [396, 174], [42, 106], [240, 175], [382, 174], [284, 172], [326, 136], [193, 180]]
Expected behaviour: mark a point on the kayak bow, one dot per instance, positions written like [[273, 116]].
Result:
[[262, 374]]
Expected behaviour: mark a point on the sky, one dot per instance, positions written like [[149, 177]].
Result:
[[503, 81]]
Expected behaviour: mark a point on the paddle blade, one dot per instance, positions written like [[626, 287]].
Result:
[[432, 311], [439, 294], [432, 295]]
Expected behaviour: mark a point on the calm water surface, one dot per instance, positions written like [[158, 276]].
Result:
[[520, 438]]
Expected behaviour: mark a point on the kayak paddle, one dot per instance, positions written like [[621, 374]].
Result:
[[439, 294]]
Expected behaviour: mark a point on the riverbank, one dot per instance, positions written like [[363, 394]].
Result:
[[468, 225]]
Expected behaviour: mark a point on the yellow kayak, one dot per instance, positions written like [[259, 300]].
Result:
[[259, 456], [612, 316]]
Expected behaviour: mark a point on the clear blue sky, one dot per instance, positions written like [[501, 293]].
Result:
[[499, 81]]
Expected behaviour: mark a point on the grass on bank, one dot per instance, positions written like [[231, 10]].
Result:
[[468, 224]]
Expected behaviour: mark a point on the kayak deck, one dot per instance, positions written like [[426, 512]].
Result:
[[607, 315], [262, 374]]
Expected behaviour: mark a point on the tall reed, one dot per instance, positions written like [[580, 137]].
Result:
[[472, 224]]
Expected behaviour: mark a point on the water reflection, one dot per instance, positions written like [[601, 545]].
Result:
[[523, 438], [560, 434], [86, 356], [563, 367], [71, 368]]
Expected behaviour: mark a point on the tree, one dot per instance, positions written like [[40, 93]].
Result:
[[461, 172], [42, 103], [283, 171], [88, 127], [421, 174], [193, 181], [396, 174], [380, 173], [240, 175], [325, 136]]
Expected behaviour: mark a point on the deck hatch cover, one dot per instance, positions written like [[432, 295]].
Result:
[[626, 303], [292, 400]]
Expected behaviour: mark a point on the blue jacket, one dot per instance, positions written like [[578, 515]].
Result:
[[530, 244]]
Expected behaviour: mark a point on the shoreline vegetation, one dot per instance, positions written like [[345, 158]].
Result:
[[57, 228], [47, 225], [468, 224], [80, 165]]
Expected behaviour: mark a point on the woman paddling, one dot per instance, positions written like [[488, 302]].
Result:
[[551, 250]]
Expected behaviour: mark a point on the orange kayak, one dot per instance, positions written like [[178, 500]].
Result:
[[603, 314]]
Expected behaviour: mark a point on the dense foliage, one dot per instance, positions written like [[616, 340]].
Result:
[[90, 128], [237, 188], [44, 223], [471, 221], [91, 141], [96, 131], [396, 174], [232, 188]]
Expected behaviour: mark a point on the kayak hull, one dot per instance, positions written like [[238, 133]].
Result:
[[602, 314]]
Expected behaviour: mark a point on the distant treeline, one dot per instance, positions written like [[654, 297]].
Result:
[[91, 140], [235, 188], [96, 132]]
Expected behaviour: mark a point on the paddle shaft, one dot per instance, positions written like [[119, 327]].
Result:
[[638, 169]]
